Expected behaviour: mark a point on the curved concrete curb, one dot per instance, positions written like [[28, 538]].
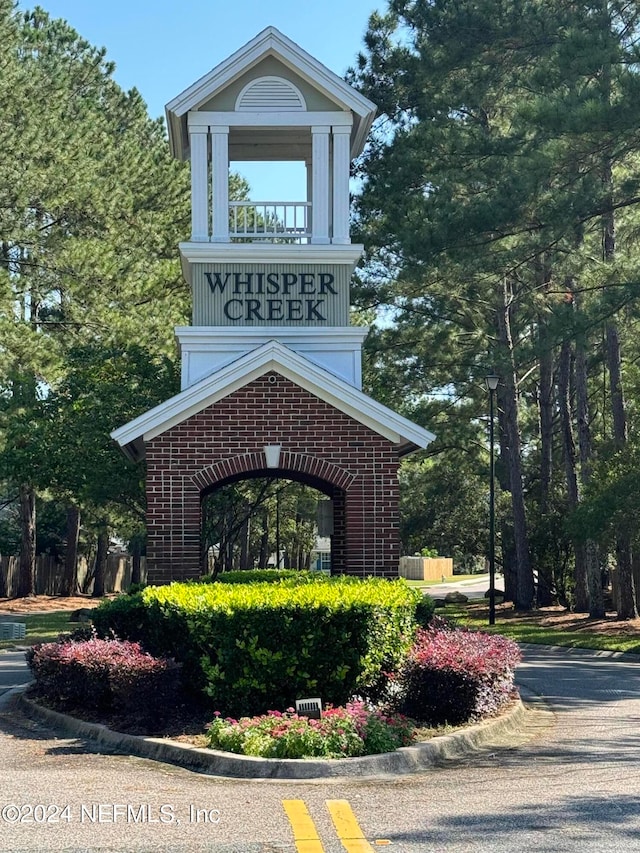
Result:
[[407, 759], [630, 657]]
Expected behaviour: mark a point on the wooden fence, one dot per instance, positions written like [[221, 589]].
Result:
[[425, 568], [49, 574]]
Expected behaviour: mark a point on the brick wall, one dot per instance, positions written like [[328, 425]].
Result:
[[321, 446]]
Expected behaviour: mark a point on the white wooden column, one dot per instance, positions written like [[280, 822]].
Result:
[[309, 167], [220, 183], [341, 164], [198, 142], [320, 181]]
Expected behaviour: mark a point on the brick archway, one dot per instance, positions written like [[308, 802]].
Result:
[[332, 482], [311, 467], [356, 466]]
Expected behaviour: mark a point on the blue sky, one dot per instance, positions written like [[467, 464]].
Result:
[[162, 46]]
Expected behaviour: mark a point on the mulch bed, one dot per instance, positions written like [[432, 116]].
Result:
[[561, 619], [186, 722], [47, 603]]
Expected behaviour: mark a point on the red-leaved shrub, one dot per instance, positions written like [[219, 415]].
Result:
[[453, 675], [106, 675]]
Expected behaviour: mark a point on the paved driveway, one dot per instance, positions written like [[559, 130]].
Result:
[[474, 588], [570, 783], [13, 670]]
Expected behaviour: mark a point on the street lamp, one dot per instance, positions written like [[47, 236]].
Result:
[[492, 385], [278, 528]]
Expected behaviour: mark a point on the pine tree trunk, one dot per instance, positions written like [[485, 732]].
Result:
[[545, 405], [136, 561], [264, 541], [27, 566], [70, 570], [545, 389], [635, 568], [626, 604], [614, 359], [244, 543], [545, 402], [509, 561], [595, 600], [571, 473], [101, 563], [525, 590]]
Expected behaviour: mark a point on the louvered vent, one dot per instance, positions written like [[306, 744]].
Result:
[[270, 94], [311, 708]]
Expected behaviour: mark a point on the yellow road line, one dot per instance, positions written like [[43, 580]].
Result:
[[347, 827], [304, 830]]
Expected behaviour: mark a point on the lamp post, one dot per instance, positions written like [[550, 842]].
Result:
[[492, 385], [277, 528]]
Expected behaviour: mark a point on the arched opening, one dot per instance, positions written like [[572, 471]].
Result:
[[271, 519]]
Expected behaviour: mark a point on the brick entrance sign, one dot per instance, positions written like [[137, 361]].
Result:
[[271, 368]]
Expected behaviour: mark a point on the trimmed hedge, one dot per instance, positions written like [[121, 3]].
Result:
[[265, 576], [250, 647], [453, 675], [104, 675]]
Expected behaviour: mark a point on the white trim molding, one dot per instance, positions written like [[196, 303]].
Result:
[[206, 349], [252, 253], [267, 253], [269, 119], [295, 367]]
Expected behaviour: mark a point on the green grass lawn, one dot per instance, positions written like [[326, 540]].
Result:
[[549, 636], [527, 629], [41, 628]]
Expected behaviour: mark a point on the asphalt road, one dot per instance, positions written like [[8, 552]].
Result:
[[571, 782], [474, 588]]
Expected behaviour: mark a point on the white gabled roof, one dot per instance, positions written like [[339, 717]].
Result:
[[270, 42], [295, 367]]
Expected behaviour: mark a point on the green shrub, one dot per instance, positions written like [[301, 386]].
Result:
[[425, 608], [161, 632], [254, 646], [126, 617], [430, 553], [470, 564]]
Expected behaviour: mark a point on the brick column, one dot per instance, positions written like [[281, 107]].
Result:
[[173, 522], [371, 522]]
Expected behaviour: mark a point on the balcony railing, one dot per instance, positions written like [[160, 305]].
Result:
[[274, 221]]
